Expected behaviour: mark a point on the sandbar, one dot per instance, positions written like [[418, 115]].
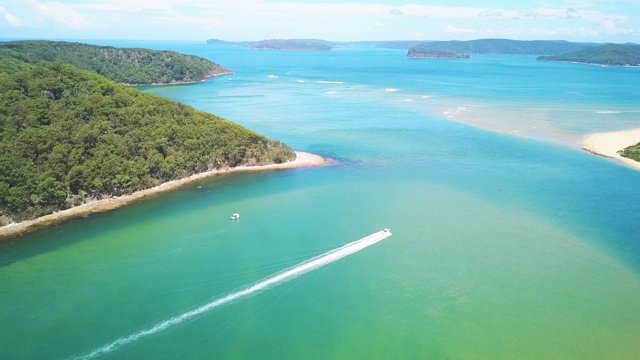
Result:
[[302, 160], [608, 144]]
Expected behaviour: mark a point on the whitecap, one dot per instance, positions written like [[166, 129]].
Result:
[[271, 76], [331, 92], [606, 112], [390, 90]]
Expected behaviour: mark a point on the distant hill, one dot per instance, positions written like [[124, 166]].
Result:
[[294, 45], [68, 136], [503, 46], [314, 44], [399, 44], [281, 44], [123, 65], [418, 52], [609, 55]]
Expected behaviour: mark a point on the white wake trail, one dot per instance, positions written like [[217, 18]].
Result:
[[279, 278]]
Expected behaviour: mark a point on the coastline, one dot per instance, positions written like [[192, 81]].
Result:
[[607, 144], [206, 78], [303, 159]]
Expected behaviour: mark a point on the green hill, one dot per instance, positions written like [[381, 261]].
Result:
[[123, 65], [68, 136], [503, 46], [609, 55]]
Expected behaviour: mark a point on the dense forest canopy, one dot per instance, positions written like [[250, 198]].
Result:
[[610, 55], [123, 65], [68, 136]]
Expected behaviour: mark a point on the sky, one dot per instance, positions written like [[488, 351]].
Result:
[[353, 20]]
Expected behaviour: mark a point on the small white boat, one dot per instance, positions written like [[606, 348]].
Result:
[[235, 216]]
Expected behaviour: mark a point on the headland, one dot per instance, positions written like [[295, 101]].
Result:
[[303, 159]]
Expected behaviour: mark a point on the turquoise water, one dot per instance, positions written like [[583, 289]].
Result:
[[508, 242]]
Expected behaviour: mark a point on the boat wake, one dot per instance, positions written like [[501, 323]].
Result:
[[277, 279]]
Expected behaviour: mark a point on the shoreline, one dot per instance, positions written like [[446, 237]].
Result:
[[607, 144], [206, 78], [302, 160]]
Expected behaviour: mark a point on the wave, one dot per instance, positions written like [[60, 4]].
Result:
[[329, 82], [390, 90], [271, 76], [274, 280], [606, 112], [331, 92]]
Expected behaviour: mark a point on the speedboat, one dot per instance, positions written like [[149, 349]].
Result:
[[235, 216]]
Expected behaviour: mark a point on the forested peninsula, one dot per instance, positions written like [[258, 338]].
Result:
[[606, 55], [132, 66], [69, 136]]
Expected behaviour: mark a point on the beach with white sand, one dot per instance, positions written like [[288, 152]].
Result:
[[609, 144]]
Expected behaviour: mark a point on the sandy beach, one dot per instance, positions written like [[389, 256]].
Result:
[[302, 160], [608, 144]]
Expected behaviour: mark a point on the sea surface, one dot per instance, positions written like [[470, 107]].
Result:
[[508, 241]]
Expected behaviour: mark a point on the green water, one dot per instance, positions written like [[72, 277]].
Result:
[[502, 247]]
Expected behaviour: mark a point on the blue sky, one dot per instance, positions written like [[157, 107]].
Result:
[[236, 20]]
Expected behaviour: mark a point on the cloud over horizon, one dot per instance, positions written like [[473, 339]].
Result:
[[376, 20]]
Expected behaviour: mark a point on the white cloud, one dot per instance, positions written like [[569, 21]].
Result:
[[257, 19], [63, 14], [11, 19], [450, 29]]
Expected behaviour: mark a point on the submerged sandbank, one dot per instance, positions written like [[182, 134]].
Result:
[[608, 144], [302, 160]]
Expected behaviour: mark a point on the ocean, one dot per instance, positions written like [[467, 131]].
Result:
[[508, 241]]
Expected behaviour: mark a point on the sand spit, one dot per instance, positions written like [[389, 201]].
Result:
[[608, 144], [302, 160]]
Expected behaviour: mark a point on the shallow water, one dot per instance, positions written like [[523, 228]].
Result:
[[503, 246]]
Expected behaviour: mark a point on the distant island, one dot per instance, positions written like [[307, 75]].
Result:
[[281, 44], [419, 52], [606, 55], [453, 49], [123, 65], [314, 44], [70, 137], [501, 46], [293, 45]]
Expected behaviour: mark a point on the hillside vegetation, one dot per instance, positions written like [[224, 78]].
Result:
[[609, 55], [123, 65], [632, 152], [68, 136], [502, 46]]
